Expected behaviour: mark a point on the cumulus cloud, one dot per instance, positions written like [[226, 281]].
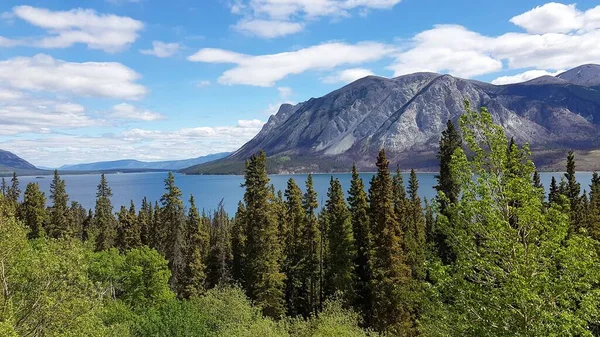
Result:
[[127, 111], [276, 18], [557, 37], [107, 32], [268, 28], [162, 49], [92, 79], [266, 70], [524, 76], [32, 115], [142, 144], [347, 75]]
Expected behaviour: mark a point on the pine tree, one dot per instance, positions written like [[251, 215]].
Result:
[[33, 211], [449, 143], [339, 271], [238, 244], [310, 243], [157, 232], [172, 219], [554, 193], [87, 230], [295, 216], [3, 187], [220, 254], [77, 216], [264, 279], [105, 225], [357, 199], [13, 192], [128, 230], [58, 223], [390, 273], [573, 191], [537, 180], [197, 244], [144, 219], [593, 223]]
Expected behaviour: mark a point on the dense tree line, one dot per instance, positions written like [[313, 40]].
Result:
[[490, 256]]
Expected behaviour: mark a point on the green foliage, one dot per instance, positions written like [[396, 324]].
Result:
[[104, 224], [295, 217], [310, 243], [172, 222], [58, 224], [33, 211], [197, 246], [517, 272]]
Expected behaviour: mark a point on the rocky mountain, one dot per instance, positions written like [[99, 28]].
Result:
[[406, 115], [130, 164], [9, 160]]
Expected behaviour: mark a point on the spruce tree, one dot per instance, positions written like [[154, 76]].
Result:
[[157, 232], [340, 260], [197, 245], [105, 225], [593, 218], [128, 230], [310, 244], [14, 192], [554, 193], [33, 211], [238, 242], [357, 199], [572, 192], [77, 216], [144, 219], [449, 143], [220, 254], [58, 222], [3, 187], [264, 279], [390, 272], [172, 219], [295, 216], [87, 230]]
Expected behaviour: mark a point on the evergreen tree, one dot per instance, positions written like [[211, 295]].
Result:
[[157, 231], [390, 273], [172, 219], [537, 180], [357, 199], [554, 193], [572, 192], [449, 143], [295, 216], [77, 216], [593, 218], [238, 242], [310, 244], [264, 279], [339, 271], [220, 254], [14, 192], [144, 219], [33, 211], [105, 226], [58, 222], [87, 230], [3, 187], [128, 230], [197, 244]]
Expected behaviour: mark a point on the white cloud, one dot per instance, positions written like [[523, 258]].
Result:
[[266, 70], [9, 95], [525, 76], [550, 18], [106, 32], [93, 79], [30, 115], [268, 28], [162, 49], [285, 92], [6, 42], [129, 112], [203, 84], [558, 37], [56, 150], [276, 18], [347, 75]]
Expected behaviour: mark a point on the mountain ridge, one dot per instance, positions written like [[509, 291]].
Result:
[[406, 115], [137, 164]]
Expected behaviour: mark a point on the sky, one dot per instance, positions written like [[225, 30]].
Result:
[[96, 80]]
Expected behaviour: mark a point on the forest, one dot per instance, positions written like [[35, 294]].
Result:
[[492, 255]]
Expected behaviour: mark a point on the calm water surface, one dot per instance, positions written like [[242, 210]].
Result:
[[209, 190]]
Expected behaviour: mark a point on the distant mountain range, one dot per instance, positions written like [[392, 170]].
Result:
[[137, 165], [406, 115]]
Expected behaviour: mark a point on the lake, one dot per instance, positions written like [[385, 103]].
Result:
[[209, 190]]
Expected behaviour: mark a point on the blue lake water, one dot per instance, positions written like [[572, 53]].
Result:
[[209, 190]]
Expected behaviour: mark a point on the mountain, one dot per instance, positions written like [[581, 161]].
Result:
[[10, 162], [131, 164], [586, 75], [406, 115]]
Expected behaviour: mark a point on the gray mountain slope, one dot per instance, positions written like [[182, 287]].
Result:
[[406, 115]]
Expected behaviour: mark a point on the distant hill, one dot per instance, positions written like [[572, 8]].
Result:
[[406, 115], [131, 164]]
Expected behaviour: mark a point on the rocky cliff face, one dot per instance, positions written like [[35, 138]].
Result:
[[406, 115]]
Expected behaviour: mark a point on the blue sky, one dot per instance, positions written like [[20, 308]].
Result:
[[84, 81]]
